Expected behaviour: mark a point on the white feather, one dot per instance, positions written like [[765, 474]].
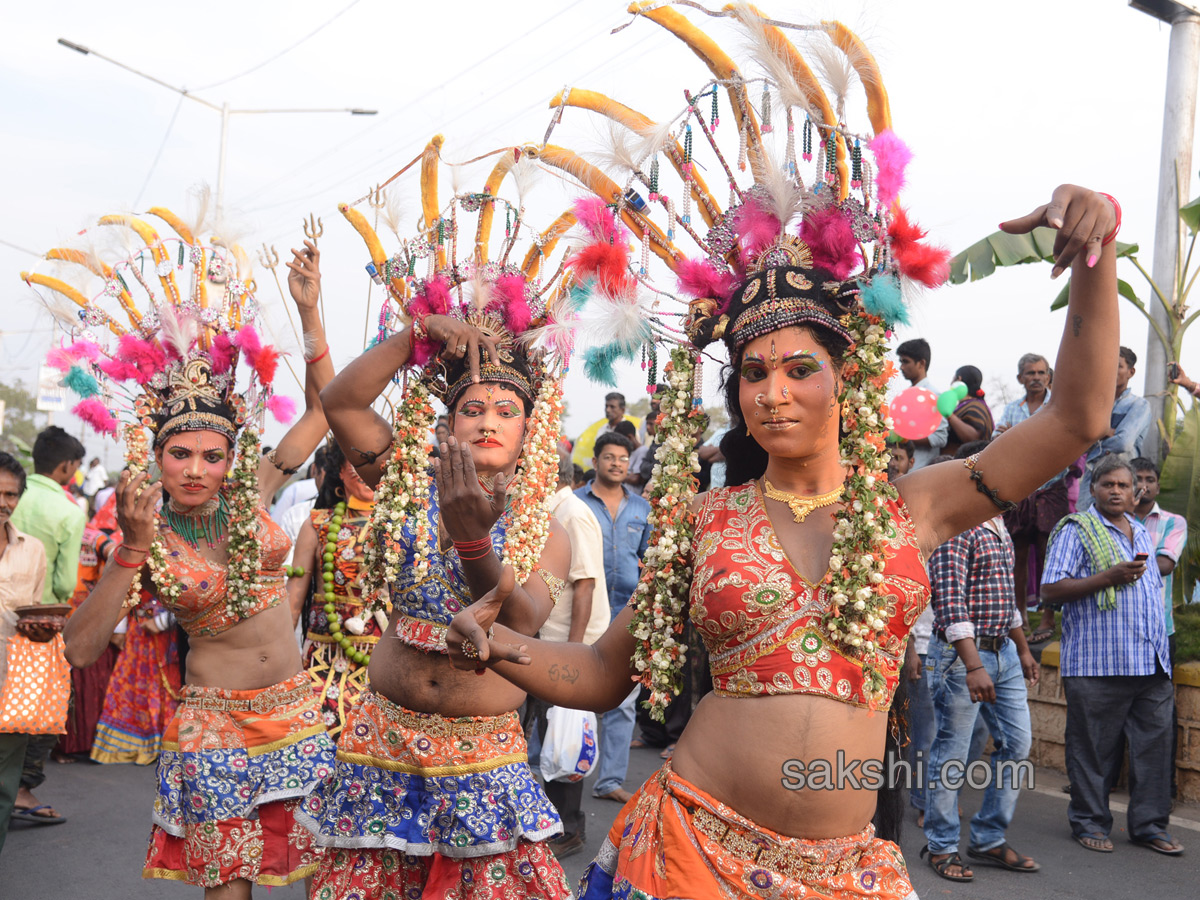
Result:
[[835, 68], [199, 218], [768, 51], [478, 292], [525, 175], [786, 197], [617, 152], [63, 310], [609, 319], [652, 139], [392, 212], [179, 331]]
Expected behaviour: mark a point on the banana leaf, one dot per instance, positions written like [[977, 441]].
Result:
[[1180, 494], [997, 250]]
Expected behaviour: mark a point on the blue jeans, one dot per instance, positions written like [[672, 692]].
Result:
[[1007, 719], [921, 727], [616, 731]]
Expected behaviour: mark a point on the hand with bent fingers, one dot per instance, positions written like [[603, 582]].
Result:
[[1082, 218], [471, 626], [137, 510], [460, 339], [466, 511], [304, 279]]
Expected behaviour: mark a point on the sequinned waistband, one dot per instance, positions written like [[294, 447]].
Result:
[[258, 700], [422, 633]]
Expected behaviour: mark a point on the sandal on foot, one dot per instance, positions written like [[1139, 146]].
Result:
[[1041, 634], [1153, 841], [1099, 842], [989, 857], [37, 815], [940, 866], [668, 752]]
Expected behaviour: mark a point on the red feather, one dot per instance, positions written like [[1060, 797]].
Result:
[[925, 263], [607, 263], [265, 362], [830, 236]]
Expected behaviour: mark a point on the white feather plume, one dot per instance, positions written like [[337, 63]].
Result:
[[478, 292], [652, 139], [525, 175], [617, 151], [615, 319], [198, 221], [835, 68], [785, 195], [768, 51], [392, 211], [178, 331]]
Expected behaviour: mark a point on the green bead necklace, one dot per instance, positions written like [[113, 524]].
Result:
[[335, 621], [208, 522]]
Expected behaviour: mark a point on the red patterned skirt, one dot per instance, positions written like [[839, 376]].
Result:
[[235, 767]]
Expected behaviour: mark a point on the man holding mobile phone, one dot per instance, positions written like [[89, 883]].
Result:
[[1115, 663]]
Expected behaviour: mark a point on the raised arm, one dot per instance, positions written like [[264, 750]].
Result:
[[304, 282], [578, 676], [348, 400], [944, 500]]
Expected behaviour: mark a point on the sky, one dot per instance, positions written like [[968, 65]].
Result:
[[999, 103]]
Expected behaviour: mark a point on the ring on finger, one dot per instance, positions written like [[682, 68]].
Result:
[[462, 348], [469, 650]]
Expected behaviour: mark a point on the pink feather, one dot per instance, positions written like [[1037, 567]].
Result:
[[699, 278], [511, 291], [433, 300], [247, 338], [830, 236], [96, 414], [62, 358], [891, 158], [118, 369], [282, 408], [148, 357], [756, 228], [223, 354], [598, 220]]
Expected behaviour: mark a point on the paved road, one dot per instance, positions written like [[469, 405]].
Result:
[[97, 854]]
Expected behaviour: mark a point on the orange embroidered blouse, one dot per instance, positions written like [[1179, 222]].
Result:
[[761, 621], [201, 605]]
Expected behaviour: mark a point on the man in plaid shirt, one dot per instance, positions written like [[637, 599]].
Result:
[[977, 664]]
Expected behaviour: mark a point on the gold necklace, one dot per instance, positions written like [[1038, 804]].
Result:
[[802, 506]]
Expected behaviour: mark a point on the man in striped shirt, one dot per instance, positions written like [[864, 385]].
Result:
[[1116, 669]]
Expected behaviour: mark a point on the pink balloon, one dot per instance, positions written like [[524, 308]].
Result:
[[915, 414]]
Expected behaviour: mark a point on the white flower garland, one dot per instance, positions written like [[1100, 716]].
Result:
[[244, 545], [402, 495], [661, 598], [530, 526]]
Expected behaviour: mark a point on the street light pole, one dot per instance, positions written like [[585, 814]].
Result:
[[1174, 188], [223, 109]]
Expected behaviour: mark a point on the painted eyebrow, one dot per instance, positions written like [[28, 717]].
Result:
[[753, 357], [802, 354]]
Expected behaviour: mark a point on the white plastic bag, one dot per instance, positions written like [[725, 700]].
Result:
[[569, 745]]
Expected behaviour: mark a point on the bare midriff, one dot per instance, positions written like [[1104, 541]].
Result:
[[736, 749], [255, 653], [426, 682]]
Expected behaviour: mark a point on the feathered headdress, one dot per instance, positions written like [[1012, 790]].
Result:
[[813, 235], [447, 269], [159, 328]]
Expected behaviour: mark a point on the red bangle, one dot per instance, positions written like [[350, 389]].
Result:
[[474, 545], [116, 557], [320, 356], [484, 555], [1111, 236]]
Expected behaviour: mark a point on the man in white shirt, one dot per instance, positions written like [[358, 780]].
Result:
[[914, 356], [96, 478], [580, 615]]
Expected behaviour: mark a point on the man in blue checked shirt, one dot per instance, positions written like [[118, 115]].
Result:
[[1115, 665], [625, 523]]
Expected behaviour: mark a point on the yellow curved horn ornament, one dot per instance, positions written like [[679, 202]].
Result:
[[608, 190], [71, 294], [483, 231], [175, 222], [719, 64], [429, 192], [533, 259], [104, 270], [374, 245], [150, 238], [636, 122], [879, 110]]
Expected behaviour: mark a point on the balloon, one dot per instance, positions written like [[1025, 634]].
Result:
[[948, 401], [915, 414]]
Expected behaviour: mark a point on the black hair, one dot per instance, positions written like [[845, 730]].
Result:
[[577, 476], [9, 464], [615, 395], [1129, 356], [1142, 464], [745, 459], [1110, 462], [972, 378], [909, 448], [612, 437], [916, 349], [626, 428], [970, 448], [333, 491], [52, 447]]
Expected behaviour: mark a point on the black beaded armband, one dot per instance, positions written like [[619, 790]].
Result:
[[286, 471], [368, 456], [977, 477]]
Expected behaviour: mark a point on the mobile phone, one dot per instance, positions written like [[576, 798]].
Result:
[[1172, 371], [1141, 557]]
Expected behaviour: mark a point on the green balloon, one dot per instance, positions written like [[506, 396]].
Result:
[[948, 401]]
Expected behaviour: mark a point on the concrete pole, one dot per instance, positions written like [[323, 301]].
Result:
[[1174, 189], [221, 164]]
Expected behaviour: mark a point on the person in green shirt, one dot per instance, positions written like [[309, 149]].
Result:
[[48, 514]]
